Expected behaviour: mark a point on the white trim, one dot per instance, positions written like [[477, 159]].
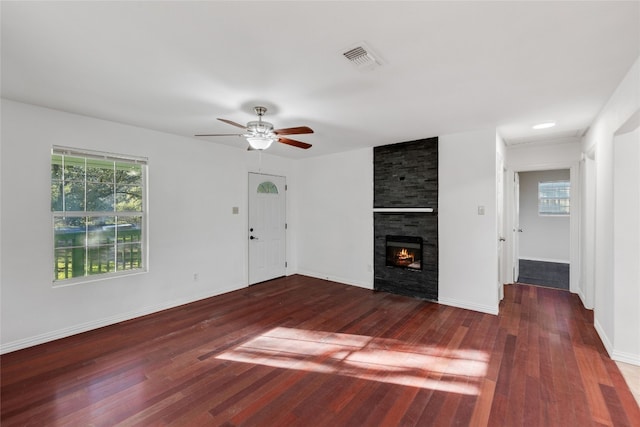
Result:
[[575, 217], [630, 358], [603, 336], [62, 283], [342, 280], [620, 356], [95, 324], [401, 210], [583, 297], [555, 261], [469, 306], [103, 155]]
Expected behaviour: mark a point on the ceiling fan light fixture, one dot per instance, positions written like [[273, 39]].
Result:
[[260, 142]]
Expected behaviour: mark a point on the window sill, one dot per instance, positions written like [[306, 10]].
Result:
[[97, 278]]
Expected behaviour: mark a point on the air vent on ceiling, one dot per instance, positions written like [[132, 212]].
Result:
[[362, 57]]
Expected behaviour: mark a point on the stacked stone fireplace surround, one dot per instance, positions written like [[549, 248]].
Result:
[[406, 178]]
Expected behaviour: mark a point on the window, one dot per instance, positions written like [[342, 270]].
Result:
[[267, 187], [554, 198], [98, 207]]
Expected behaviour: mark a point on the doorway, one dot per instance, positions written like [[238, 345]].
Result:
[[543, 228], [267, 227]]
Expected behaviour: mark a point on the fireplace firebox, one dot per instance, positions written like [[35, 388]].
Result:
[[404, 252]]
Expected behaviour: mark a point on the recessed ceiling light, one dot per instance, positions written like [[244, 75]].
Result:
[[544, 125]]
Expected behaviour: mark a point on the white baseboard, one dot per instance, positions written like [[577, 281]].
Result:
[[583, 299], [468, 305], [619, 356], [603, 337], [445, 301], [630, 358], [95, 324], [322, 276]]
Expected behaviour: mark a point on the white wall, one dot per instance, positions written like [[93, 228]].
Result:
[[586, 288], [468, 242], [193, 186], [622, 105], [544, 155], [334, 202], [544, 238], [626, 245]]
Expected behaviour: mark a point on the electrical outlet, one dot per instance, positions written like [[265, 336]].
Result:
[[195, 277]]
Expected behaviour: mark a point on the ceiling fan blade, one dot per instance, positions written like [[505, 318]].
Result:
[[293, 131], [232, 123], [294, 143], [220, 134]]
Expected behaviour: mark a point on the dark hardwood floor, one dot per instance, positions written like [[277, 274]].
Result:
[[308, 352]]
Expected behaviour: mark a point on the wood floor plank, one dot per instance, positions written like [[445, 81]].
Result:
[[300, 351], [482, 407]]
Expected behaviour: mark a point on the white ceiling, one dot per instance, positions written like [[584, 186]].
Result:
[[447, 66]]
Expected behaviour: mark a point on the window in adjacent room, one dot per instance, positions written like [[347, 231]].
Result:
[[554, 198], [98, 208]]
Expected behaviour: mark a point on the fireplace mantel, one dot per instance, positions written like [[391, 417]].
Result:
[[402, 210]]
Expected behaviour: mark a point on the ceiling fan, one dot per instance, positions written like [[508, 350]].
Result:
[[260, 134]]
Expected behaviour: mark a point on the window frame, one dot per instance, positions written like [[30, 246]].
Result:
[[568, 198], [88, 214]]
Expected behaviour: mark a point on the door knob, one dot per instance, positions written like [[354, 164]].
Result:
[[253, 238], [502, 239]]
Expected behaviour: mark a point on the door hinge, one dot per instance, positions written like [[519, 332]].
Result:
[[286, 225], [285, 264], [286, 187]]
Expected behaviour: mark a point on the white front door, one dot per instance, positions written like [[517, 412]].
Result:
[[267, 247]]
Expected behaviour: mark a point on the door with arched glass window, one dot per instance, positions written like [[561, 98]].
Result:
[[267, 230]]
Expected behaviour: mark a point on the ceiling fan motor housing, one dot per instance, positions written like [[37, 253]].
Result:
[[260, 128]]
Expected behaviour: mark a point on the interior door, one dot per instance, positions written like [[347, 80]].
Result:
[[516, 227], [267, 229], [500, 214]]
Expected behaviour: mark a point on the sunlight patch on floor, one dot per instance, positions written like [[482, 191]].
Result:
[[376, 359]]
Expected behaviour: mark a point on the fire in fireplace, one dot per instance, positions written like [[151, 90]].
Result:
[[404, 252]]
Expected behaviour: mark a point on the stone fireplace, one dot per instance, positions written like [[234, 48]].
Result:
[[405, 218]]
